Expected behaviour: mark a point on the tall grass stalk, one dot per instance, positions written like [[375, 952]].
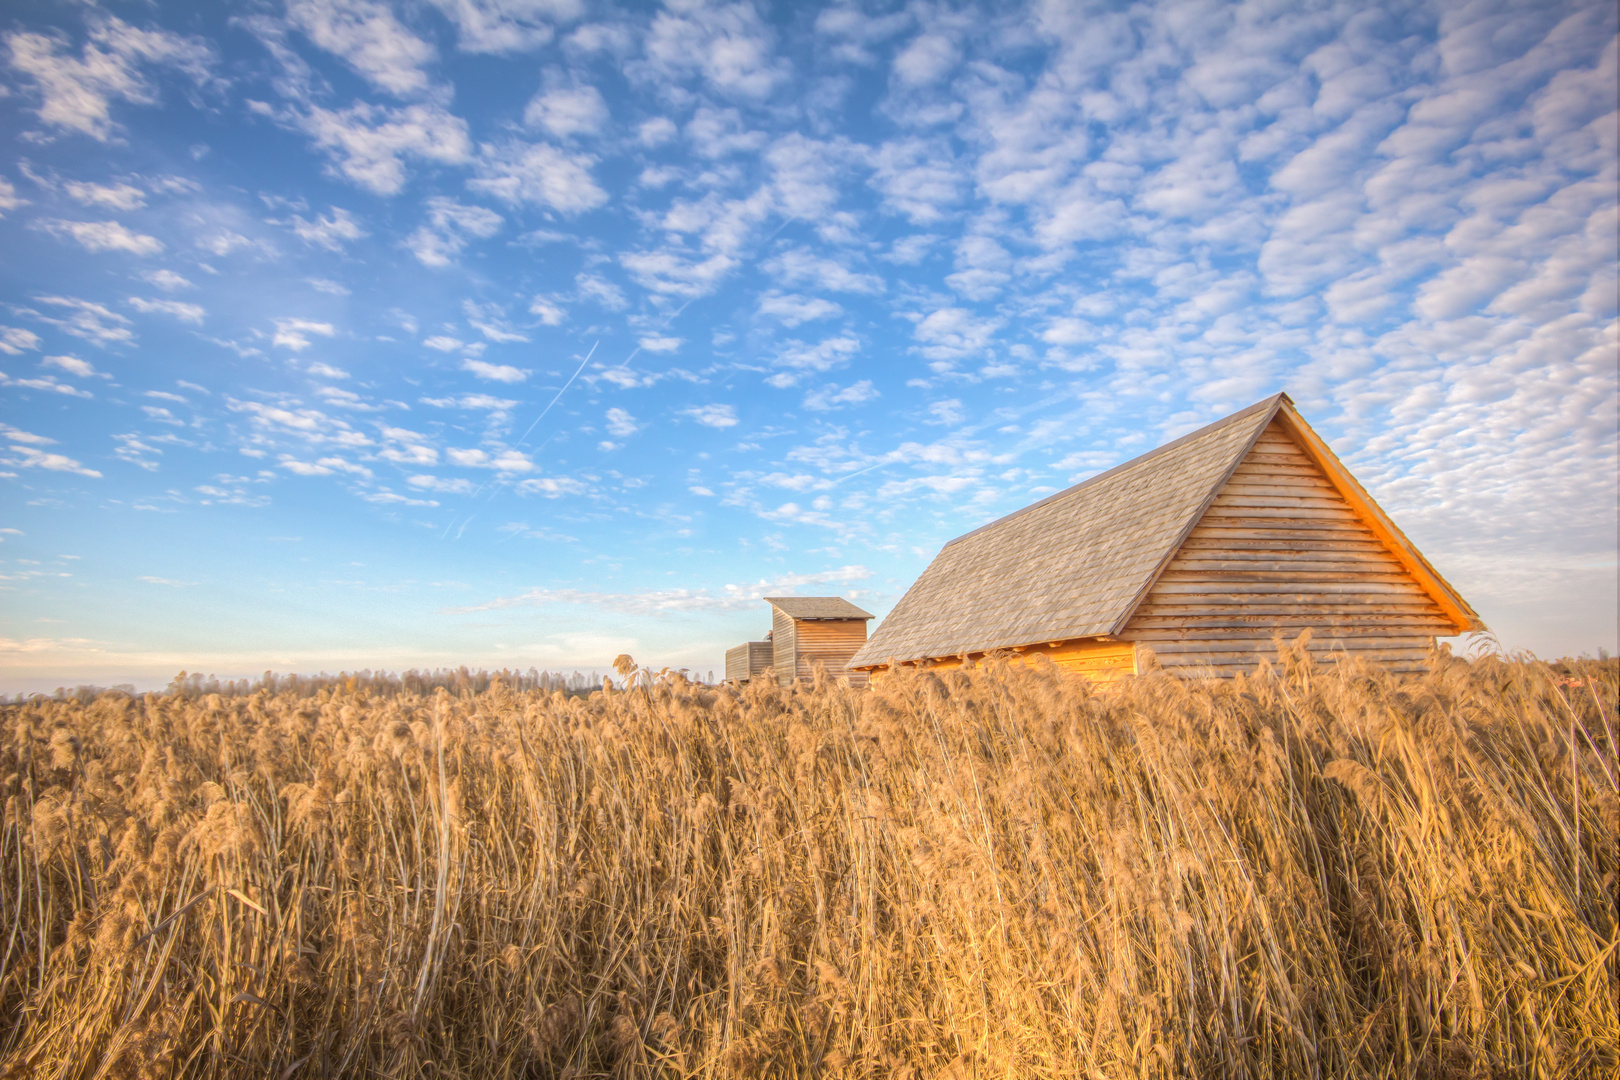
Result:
[[1001, 872]]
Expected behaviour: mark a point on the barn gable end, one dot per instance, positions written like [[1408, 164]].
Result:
[[1279, 550]]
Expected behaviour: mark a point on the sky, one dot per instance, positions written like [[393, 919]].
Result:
[[342, 334]]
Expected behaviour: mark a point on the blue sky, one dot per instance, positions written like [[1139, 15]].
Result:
[[340, 333]]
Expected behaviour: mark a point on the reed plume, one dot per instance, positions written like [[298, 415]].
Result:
[[996, 872]]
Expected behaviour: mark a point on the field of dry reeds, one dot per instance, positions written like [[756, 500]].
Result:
[[1313, 872]]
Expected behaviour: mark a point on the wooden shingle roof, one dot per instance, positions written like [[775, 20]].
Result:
[[817, 607], [1077, 564]]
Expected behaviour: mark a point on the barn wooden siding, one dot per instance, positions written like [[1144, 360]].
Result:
[[749, 660], [1099, 661], [784, 645], [831, 641], [1280, 550]]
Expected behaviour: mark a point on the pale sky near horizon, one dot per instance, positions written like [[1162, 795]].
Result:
[[509, 333]]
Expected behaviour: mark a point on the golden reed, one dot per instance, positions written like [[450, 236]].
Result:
[[1312, 872]]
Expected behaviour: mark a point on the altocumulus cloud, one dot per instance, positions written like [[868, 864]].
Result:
[[910, 270]]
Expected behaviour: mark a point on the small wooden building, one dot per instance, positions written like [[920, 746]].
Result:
[[749, 660], [1201, 550], [805, 629]]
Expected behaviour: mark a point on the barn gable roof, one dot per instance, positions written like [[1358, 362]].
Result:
[[1077, 564], [817, 607]]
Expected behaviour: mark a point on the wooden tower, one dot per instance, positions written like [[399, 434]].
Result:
[[805, 629]]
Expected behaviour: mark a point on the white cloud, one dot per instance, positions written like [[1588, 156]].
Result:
[[657, 131], [498, 408], [657, 344], [451, 225], [552, 487], [88, 320], [192, 313], [26, 453], [494, 372], [718, 133], [490, 321], [502, 461], [294, 333], [715, 416], [407, 448], [547, 312], [538, 174], [804, 176], [728, 45], [289, 419], [222, 242], [76, 92], [443, 343], [442, 485], [167, 280], [601, 291], [791, 309], [325, 466], [851, 30], [8, 197], [102, 236], [621, 424], [329, 231], [801, 267], [825, 355], [326, 371], [14, 339], [911, 250], [504, 26], [566, 111], [673, 274], [369, 143], [831, 396], [917, 178], [953, 333], [391, 498], [70, 364], [927, 59], [48, 383], [368, 37], [328, 286], [114, 196], [728, 598], [130, 448]]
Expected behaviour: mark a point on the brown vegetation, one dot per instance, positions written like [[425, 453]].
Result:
[[997, 872]]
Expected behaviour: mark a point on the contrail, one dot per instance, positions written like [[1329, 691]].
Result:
[[565, 386]]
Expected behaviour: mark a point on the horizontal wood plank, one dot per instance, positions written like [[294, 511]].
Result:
[[1214, 588], [1257, 610], [1237, 622], [1230, 540], [1321, 637], [1303, 579], [1279, 551]]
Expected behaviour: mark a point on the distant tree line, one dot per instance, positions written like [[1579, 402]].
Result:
[[458, 680]]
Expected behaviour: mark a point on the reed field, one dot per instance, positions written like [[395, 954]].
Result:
[[1314, 871]]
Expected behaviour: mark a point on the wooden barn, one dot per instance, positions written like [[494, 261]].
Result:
[[804, 629], [749, 660], [1201, 550]]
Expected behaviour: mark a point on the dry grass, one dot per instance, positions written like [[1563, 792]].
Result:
[[997, 873]]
